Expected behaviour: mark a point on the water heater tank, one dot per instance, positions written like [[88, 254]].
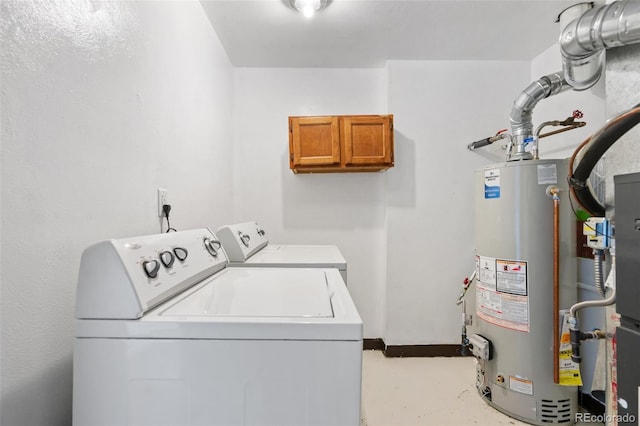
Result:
[[514, 295]]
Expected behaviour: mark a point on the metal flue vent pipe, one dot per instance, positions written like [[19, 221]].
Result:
[[521, 122], [584, 40], [582, 43]]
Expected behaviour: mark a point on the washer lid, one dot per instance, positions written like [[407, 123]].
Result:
[[258, 293]]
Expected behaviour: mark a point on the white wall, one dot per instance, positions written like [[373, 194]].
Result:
[[343, 209], [102, 103], [440, 107]]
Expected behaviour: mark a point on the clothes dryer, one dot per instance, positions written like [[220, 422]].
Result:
[[246, 244]]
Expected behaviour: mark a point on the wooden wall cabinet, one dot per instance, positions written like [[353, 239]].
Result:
[[342, 143]]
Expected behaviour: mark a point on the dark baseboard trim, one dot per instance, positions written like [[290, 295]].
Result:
[[590, 403], [373, 344], [422, 351], [409, 351]]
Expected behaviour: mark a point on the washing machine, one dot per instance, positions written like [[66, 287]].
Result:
[[247, 245], [167, 334]]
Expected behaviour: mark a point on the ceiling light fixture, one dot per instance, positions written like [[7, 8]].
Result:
[[308, 7]]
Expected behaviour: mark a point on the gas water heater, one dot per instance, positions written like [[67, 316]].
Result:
[[516, 218], [526, 233]]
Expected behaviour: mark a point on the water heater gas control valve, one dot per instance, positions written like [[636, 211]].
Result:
[[480, 347]]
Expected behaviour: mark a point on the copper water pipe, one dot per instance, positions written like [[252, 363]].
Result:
[[565, 129], [556, 284]]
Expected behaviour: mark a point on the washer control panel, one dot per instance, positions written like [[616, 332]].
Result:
[[124, 278], [242, 240]]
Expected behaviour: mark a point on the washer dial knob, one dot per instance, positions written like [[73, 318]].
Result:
[[181, 253], [151, 268], [167, 258]]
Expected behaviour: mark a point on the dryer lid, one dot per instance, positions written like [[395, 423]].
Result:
[[272, 292]]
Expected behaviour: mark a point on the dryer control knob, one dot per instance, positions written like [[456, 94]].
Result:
[[151, 268], [181, 253], [167, 259], [244, 238], [212, 246]]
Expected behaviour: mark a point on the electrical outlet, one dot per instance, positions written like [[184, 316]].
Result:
[[163, 198]]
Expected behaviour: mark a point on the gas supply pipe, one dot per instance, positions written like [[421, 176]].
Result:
[[466, 319]]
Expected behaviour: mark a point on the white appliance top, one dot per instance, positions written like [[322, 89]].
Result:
[[254, 292], [177, 286], [192, 315], [300, 255], [247, 244]]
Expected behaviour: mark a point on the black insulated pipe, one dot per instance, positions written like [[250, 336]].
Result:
[[575, 346], [577, 336], [592, 154], [479, 144]]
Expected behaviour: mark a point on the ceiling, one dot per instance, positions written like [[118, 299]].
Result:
[[367, 33]]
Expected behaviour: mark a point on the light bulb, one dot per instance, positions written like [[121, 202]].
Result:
[[307, 7], [308, 11]]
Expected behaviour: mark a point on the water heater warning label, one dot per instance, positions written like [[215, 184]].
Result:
[[486, 270], [521, 385], [501, 293], [512, 277], [547, 174], [492, 183]]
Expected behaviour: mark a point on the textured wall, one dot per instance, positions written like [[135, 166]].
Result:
[[102, 103]]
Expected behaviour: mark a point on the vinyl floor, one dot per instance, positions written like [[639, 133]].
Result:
[[424, 391]]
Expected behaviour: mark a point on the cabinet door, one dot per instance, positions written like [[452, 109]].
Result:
[[368, 140], [314, 141]]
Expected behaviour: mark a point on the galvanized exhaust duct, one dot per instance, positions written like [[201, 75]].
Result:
[[582, 43], [584, 40]]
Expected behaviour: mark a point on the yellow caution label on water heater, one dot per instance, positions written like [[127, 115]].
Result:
[[569, 370]]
